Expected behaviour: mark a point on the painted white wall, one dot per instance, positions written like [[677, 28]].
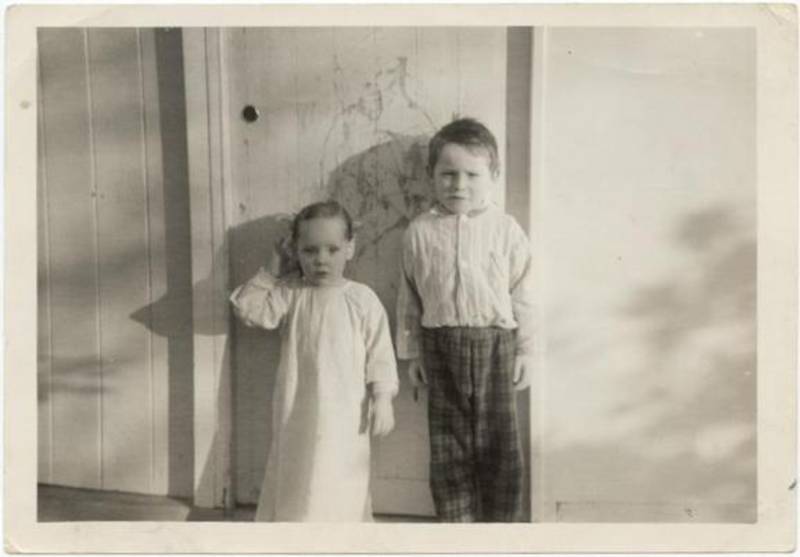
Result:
[[645, 211]]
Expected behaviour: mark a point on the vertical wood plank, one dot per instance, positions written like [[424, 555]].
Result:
[[249, 395], [209, 259], [542, 508], [518, 124], [76, 376], [156, 259], [96, 249], [195, 70], [223, 217], [172, 314], [123, 247], [45, 325], [518, 184]]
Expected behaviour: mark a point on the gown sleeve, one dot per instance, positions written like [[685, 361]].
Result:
[[262, 301], [381, 372]]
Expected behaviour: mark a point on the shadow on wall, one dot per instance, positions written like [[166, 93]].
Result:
[[678, 437], [383, 188], [170, 318]]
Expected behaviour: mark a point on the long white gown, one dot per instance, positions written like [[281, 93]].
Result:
[[335, 340]]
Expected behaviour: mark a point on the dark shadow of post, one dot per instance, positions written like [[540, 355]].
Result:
[[171, 315]]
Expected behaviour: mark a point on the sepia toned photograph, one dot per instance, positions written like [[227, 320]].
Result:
[[385, 273]]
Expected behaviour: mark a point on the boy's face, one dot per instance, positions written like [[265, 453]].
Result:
[[462, 178], [323, 250]]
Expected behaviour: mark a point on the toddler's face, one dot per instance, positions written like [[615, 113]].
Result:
[[462, 178], [323, 250]]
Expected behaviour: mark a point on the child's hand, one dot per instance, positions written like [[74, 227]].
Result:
[[382, 414], [417, 373], [523, 368]]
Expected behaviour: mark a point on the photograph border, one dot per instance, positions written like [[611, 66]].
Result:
[[775, 530]]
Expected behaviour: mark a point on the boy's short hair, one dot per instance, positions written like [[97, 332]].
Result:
[[469, 133], [323, 209]]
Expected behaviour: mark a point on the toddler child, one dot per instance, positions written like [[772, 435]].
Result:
[[465, 319], [337, 370]]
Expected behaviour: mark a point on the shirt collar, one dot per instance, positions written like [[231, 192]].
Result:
[[439, 210]]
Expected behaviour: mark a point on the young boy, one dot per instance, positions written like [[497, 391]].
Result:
[[465, 319]]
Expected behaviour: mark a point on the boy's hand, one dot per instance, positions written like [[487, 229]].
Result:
[[382, 414], [417, 373], [523, 368]]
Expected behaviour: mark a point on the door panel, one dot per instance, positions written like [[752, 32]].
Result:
[[344, 113]]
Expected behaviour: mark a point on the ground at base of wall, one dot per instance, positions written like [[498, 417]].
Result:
[[65, 504]]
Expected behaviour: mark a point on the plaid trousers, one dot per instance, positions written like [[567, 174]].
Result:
[[476, 468]]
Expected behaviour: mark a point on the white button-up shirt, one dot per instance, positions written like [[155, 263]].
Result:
[[465, 270]]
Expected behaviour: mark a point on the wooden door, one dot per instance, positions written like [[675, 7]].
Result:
[[343, 113], [114, 293]]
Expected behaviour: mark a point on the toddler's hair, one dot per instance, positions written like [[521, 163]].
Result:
[[327, 209], [469, 133]]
